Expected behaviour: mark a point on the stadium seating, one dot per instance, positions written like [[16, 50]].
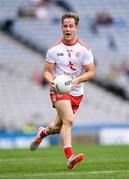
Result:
[[24, 102]]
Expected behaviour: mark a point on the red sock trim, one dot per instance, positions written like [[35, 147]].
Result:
[[68, 152]]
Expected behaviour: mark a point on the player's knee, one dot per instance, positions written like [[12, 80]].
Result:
[[68, 121]]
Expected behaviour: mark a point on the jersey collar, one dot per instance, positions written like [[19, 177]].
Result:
[[69, 44]]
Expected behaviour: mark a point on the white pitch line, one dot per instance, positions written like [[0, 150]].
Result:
[[88, 172], [36, 158], [16, 159], [66, 173], [28, 160]]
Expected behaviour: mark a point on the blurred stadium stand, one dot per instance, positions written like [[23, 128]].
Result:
[[23, 43]]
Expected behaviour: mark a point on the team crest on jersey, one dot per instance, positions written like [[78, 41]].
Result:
[[60, 54], [77, 54]]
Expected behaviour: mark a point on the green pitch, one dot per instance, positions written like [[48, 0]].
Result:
[[50, 163]]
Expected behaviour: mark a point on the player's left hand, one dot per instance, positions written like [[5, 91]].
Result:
[[75, 81]]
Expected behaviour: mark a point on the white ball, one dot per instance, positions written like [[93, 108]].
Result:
[[62, 84]]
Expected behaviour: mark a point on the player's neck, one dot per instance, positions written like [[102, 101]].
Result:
[[70, 43]]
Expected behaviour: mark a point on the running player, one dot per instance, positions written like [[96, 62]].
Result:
[[74, 58]]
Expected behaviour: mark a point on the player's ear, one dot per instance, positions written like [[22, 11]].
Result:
[[77, 27]]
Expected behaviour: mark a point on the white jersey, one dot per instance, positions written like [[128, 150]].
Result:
[[70, 60]]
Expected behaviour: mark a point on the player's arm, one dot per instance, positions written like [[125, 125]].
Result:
[[89, 73], [48, 68], [86, 76]]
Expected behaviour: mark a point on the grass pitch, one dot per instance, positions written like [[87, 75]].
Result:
[[102, 162]]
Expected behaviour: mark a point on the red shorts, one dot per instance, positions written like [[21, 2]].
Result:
[[75, 100]]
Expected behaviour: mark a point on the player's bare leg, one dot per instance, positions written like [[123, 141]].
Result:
[[53, 128], [66, 113]]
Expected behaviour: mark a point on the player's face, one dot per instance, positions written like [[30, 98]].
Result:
[[69, 29]]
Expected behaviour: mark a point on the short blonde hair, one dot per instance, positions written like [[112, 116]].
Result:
[[70, 15]]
